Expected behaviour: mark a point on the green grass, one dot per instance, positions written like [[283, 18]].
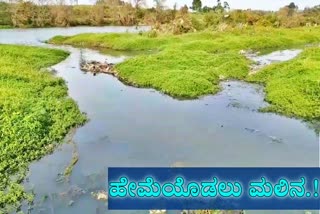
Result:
[[186, 74], [293, 87], [192, 65], [35, 114], [253, 38], [5, 27]]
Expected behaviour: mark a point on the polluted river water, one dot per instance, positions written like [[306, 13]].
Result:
[[131, 126]]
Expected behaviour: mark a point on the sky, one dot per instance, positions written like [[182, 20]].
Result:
[[235, 4]]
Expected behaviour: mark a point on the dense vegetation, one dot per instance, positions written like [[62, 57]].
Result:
[[35, 114], [293, 87], [110, 12], [192, 64], [116, 12]]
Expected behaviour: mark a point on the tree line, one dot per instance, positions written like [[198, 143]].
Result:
[[197, 6], [288, 16], [45, 13]]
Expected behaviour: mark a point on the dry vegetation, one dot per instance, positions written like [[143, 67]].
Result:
[[117, 12]]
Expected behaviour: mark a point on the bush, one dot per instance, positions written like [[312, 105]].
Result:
[[212, 19], [5, 18], [197, 24], [153, 33]]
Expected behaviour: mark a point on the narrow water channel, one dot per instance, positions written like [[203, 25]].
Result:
[[141, 127]]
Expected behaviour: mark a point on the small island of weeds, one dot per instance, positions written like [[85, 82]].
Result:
[[192, 65], [35, 115]]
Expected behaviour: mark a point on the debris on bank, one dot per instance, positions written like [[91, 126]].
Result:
[[157, 212], [70, 203], [98, 67], [73, 192], [100, 196]]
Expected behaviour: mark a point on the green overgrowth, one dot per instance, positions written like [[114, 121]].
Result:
[[183, 74], [209, 41], [193, 64], [5, 27], [35, 114], [293, 87]]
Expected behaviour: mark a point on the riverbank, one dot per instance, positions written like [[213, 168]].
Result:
[[35, 114], [293, 87], [5, 27], [192, 65]]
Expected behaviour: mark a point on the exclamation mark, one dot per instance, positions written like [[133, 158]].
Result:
[[316, 187]]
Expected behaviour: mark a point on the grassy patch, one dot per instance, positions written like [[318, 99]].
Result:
[[186, 74], [293, 87], [251, 38], [191, 65], [5, 26], [115, 41], [35, 114]]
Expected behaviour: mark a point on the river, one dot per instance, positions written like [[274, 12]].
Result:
[[141, 127]]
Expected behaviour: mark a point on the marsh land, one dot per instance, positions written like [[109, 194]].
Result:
[[183, 83]]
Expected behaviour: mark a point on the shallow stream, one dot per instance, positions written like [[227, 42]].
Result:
[[141, 127]]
